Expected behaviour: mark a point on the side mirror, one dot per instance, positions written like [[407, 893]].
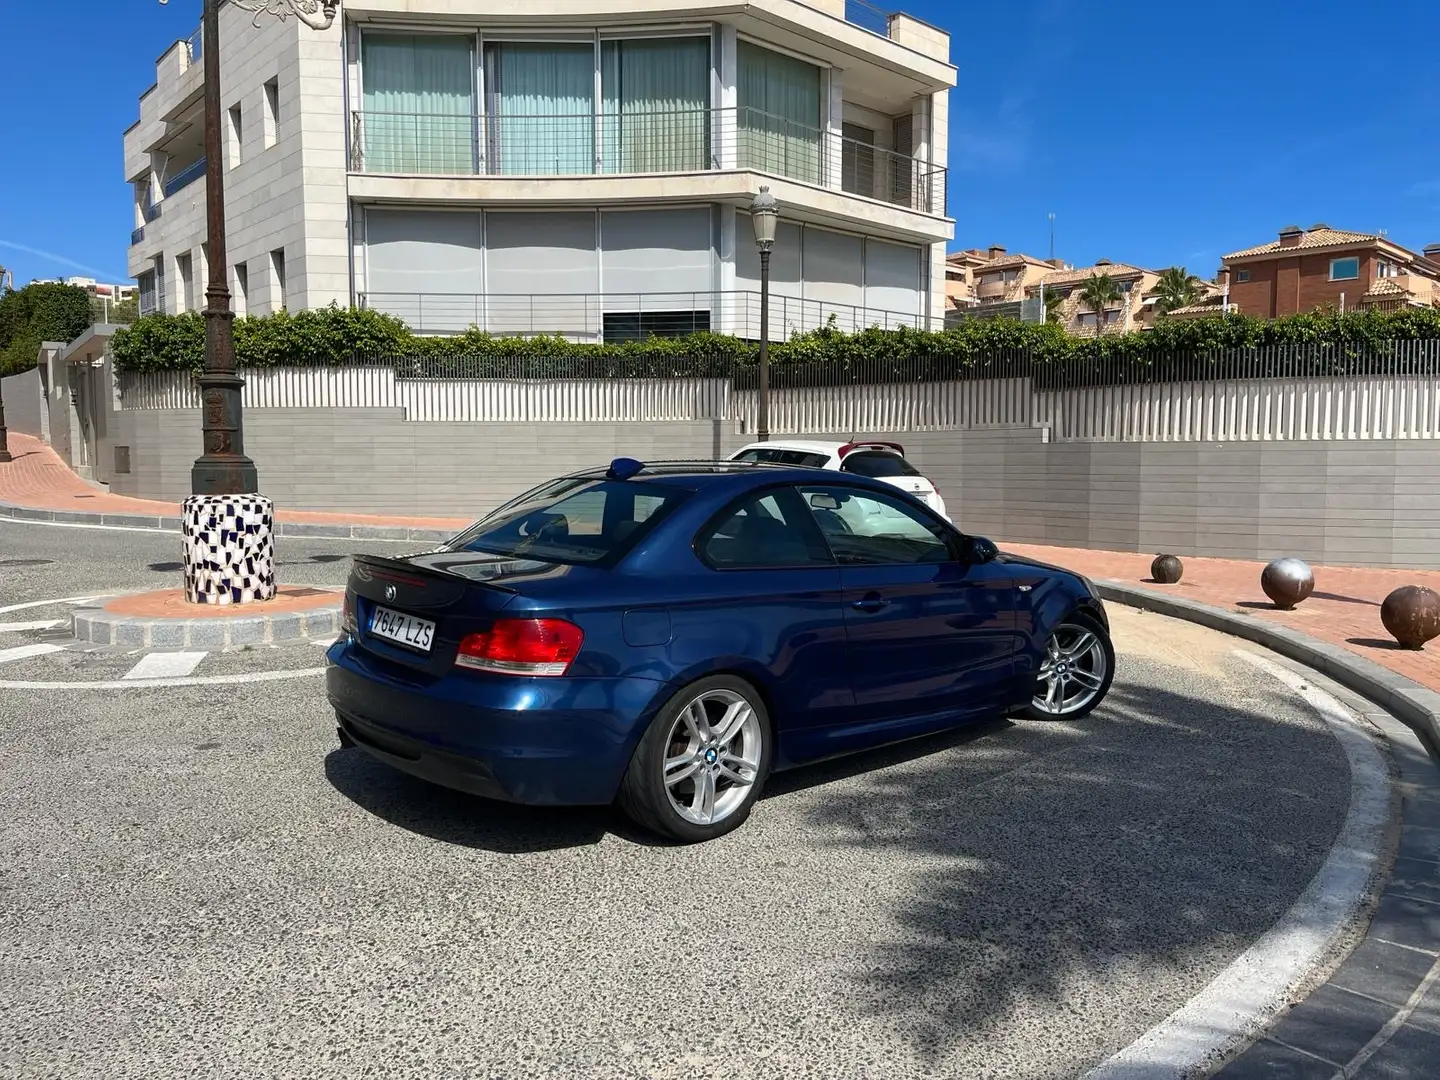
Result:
[[981, 550]]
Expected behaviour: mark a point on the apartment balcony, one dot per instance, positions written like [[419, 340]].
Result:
[[617, 317], [688, 143], [185, 177]]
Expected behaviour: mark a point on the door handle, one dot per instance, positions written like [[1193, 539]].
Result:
[[871, 602]]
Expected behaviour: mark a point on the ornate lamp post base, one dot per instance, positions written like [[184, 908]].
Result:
[[229, 546], [223, 469]]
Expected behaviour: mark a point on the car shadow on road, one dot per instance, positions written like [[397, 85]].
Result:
[[1060, 865], [453, 817]]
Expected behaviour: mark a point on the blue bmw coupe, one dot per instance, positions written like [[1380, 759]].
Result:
[[667, 635]]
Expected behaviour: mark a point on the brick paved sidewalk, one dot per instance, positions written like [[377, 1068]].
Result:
[[1344, 610], [39, 479]]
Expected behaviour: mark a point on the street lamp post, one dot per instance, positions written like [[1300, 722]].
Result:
[[223, 468], [764, 215]]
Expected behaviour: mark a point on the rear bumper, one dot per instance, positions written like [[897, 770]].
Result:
[[537, 741]]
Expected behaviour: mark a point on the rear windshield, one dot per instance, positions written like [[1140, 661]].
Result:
[[572, 520], [775, 456], [877, 463]]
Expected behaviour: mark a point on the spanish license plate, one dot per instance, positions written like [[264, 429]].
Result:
[[403, 629]]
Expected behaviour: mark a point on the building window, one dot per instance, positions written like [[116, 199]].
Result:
[[655, 105], [620, 326], [779, 114], [147, 292], [1242, 276], [160, 283], [1386, 269], [272, 113], [242, 289], [233, 149], [857, 160], [418, 103], [277, 279], [185, 277], [1344, 269]]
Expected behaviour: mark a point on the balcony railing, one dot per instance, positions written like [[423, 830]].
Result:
[[614, 317], [195, 47], [686, 141], [868, 17], [136, 235], [185, 177]]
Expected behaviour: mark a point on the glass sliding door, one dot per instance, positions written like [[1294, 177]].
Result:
[[541, 108], [418, 103], [779, 117], [655, 108]]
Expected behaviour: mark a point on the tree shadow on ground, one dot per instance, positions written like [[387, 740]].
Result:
[[1064, 861]]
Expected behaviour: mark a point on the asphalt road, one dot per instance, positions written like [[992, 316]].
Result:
[[198, 881]]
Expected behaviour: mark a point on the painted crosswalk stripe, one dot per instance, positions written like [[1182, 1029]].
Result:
[[21, 652], [47, 603], [165, 665], [39, 624]]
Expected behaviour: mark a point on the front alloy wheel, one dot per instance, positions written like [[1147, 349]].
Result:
[[700, 766], [1075, 674]]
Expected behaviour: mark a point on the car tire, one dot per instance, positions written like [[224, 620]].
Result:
[[1078, 657], [687, 732]]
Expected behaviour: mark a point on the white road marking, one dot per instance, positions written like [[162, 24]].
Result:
[[148, 684], [47, 603], [165, 665], [21, 652], [16, 627], [1244, 996]]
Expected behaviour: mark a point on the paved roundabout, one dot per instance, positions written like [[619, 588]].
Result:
[[195, 878]]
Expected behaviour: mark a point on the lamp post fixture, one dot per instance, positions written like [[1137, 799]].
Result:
[[764, 215], [223, 468]]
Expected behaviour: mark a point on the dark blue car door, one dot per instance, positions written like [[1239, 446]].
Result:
[[771, 602], [931, 636]]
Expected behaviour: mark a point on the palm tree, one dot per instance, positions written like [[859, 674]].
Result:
[[1177, 288], [1054, 301], [1097, 292]]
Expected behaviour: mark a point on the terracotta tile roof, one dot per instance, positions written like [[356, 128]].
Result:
[[1209, 306], [1387, 287], [1008, 261], [1313, 239], [1085, 273]]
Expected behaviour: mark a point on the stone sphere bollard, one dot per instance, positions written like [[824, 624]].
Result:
[[1411, 615], [229, 549], [1166, 569], [1287, 582]]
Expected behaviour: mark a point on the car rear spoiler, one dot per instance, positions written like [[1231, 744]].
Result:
[[851, 447]]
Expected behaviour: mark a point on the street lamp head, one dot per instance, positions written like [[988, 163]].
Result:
[[765, 215]]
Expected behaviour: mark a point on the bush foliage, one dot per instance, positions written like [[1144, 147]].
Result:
[[334, 335], [41, 311]]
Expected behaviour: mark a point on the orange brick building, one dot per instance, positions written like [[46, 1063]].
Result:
[[1321, 267]]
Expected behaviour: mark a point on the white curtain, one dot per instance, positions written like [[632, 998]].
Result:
[[655, 111], [418, 103], [542, 109], [779, 114]]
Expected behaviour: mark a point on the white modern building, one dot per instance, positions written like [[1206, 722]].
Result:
[[581, 167]]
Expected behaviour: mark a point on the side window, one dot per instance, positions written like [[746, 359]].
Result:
[[764, 531], [864, 527], [877, 463]]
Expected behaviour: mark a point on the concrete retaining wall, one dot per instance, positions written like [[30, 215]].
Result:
[[24, 399], [1362, 502]]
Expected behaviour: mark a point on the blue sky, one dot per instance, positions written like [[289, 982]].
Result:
[[1156, 133]]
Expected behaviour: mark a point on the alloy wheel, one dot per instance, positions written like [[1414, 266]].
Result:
[[1073, 672], [712, 756]]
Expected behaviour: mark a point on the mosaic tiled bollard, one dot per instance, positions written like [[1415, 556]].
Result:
[[229, 549]]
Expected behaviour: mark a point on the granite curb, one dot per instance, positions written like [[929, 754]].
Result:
[[1406, 699], [100, 627], [336, 531]]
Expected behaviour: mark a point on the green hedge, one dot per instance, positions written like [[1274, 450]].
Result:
[[334, 335]]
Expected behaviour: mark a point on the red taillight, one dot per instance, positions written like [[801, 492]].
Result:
[[522, 647], [347, 614]]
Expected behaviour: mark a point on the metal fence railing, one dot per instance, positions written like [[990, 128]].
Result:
[[619, 317], [185, 177], [672, 141], [868, 17], [1390, 391]]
